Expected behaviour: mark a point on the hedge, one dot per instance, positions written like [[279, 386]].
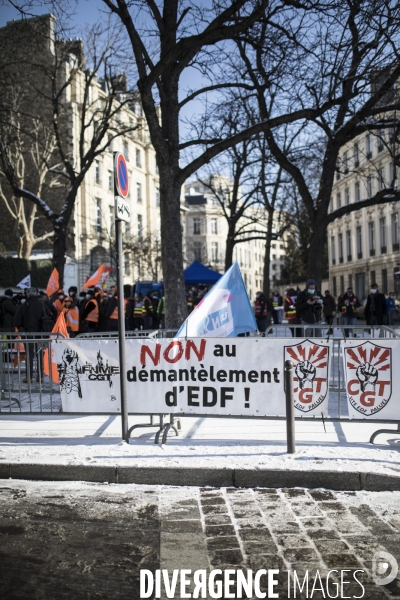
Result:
[[13, 270]]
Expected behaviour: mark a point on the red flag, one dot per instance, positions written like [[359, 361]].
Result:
[[54, 283], [95, 278]]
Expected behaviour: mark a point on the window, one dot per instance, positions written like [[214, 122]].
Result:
[[139, 196], [340, 241], [156, 165], [382, 233], [369, 186], [127, 263], [333, 253], [373, 277], [97, 172], [98, 215], [214, 226], [395, 231], [196, 226], [371, 238], [335, 294], [350, 280], [110, 181], [356, 155], [345, 161], [157, 197], [214, 251], [337, 171], [140, 227], [357, 195], [359, 241], [347, 196], [380, 144], [348, 245], [384, 281], [368, 145], [197, 251], [274, 257], [381, 178], [138, 158], [125, 150], [338, 200]]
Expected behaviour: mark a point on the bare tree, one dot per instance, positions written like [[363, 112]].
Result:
[[356, 76], [64, 71]]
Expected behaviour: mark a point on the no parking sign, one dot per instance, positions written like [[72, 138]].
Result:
[[122, 206]]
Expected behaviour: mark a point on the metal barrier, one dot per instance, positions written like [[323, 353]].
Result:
[[25, 390], [145, 333], [22, 354], [320, 330]]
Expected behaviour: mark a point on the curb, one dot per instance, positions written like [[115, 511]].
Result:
[[239, 478]]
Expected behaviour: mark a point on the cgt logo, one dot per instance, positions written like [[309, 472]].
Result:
[[384, 568], [368, 369], [311, 374]]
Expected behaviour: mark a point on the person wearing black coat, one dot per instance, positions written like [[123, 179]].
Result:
[[309, 306], [8, 309], [376, 308], [29, 318]]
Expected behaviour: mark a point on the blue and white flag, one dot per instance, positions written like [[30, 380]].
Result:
[[225, 311]]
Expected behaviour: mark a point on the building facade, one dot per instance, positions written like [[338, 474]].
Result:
[[364, 245], [206, 234]]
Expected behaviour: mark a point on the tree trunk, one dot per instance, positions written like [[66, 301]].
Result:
[[316, 249], [171, 249], [59, 250], [27, 243], [267, 255], [229, 246]]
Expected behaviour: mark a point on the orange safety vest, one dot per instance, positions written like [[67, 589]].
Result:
[[93, 316], [114, 314], [72, 318]]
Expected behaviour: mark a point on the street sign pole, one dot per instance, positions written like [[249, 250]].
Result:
[[122, 213]]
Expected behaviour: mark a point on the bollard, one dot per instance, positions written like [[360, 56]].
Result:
[[290, 425]]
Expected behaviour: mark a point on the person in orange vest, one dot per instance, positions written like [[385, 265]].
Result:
[[289, 306], [59, 302], [112, 312], [90, 313], [71, 315]]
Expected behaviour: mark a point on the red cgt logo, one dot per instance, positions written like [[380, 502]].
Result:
[[368, 369], [311, 374]]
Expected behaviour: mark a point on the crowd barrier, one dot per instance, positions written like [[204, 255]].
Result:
[[26, 390]]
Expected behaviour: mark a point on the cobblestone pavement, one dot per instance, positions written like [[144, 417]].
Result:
[[89, 541]]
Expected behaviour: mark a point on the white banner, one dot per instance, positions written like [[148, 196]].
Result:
[[216, 376], [372, 375]]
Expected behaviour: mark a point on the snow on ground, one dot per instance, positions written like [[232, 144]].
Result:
[[203, 442]]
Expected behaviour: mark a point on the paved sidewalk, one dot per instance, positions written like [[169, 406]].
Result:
[[236, 451]]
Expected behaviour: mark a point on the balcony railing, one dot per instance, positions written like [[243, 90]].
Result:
[[333, 261], [396, 247], [349, 258], [383, 249], [372, 251], [341, 260], [359, 255]]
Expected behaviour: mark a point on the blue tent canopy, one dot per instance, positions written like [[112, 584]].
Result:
[[196, 273]]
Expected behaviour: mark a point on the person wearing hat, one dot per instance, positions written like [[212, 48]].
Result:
[[29, 318], [59, 302], [309, 306], [7, 311], [71, 315]]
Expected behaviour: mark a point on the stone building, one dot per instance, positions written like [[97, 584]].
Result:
[[206, 234], [364, 245]]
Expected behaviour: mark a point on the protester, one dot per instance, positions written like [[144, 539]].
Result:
[[147, 312], [391, 308], [309, 306], [71, 315], [277, 304], [260, 312], [376, 308], [8, 309], [347, 305], [137, 312], [29, 318], [289, 306], [89, 316], [59, 302], [329, 308]]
